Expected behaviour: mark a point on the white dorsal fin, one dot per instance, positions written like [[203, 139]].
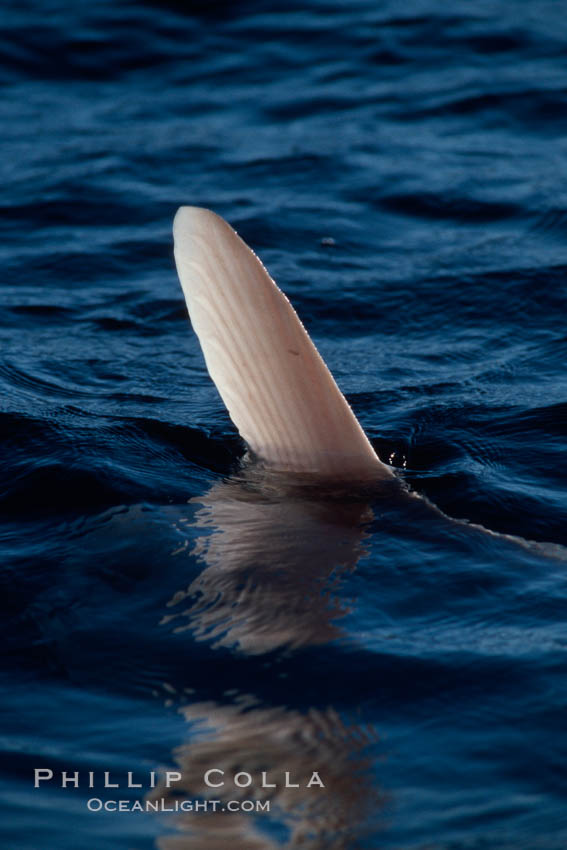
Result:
[[278, 391]]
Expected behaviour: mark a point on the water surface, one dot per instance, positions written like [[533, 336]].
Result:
[[399, 170]]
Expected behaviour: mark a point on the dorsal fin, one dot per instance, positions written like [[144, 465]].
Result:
[[275, 385]]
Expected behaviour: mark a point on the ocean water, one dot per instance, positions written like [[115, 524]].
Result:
[[400, 170]]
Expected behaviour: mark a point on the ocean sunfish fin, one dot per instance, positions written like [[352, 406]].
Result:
[[277, 389]]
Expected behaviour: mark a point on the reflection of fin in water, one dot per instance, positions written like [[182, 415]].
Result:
[[273, 569], [246, 737], [277, 389]]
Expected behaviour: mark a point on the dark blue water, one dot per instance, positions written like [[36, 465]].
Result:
[[400, 169]]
